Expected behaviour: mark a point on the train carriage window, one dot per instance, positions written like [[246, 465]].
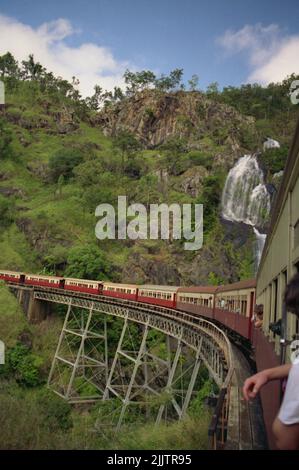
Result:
[[275, 286], [270, 301]]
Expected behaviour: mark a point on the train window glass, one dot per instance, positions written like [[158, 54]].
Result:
[[270, 301], [275, 293]]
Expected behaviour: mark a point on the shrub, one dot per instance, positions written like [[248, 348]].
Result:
[[87, 262], [210, 198], [6, 211], [25, 365], [274, 159], [6, 150], [134, 168], [64, 161], [199, 159], [56, 410]]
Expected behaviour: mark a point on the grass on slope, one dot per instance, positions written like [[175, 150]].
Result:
[[12, 319]]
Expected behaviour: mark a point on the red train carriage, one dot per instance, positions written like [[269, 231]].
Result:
[[234, 305], [44, 281], [199, 300], [12, 276], [83, 285], [122, 291], [159, 295]]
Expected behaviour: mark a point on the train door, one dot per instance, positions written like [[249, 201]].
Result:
[[22, 278], [61, 283], [251, 304], [100, 288]]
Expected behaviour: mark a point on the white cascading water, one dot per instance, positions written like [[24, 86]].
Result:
[[260, 242], [245, 197]]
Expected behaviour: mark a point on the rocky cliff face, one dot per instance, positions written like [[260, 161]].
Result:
[[155, 117]]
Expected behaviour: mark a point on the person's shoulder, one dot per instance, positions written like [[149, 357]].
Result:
[[295, 370]]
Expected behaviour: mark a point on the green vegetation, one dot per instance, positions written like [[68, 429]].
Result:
[[59, 160], [33, 417], [274, 159], [63, 162]]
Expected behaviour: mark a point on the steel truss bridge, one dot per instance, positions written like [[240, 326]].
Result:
[[85, 369]]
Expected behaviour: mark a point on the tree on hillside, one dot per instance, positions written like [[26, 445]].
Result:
[[193, 83], [138, 81], [87, 262], [126, 142], [32, 70], [169, 82], [63, 162], [9, 66], [175, 150], [213, 89], [210, 198], [96, 99]]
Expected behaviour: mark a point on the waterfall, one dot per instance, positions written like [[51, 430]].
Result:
[[260, 242], [245, 197]]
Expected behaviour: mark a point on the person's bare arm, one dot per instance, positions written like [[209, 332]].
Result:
[[253, 384], [287, 436]]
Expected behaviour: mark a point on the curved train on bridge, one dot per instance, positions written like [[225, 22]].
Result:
[[231, 305]]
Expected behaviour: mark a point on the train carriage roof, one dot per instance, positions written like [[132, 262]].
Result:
[[44, 276], [198, 289], [159, 288], [115, 284], [6, 271], [87, 281], [245, 284]]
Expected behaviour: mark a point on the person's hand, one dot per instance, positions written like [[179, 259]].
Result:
[[253, 384]]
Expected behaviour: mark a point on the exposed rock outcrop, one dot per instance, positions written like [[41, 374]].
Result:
[[155, 117]]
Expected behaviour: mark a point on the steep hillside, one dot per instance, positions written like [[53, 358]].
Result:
[[60, 158]]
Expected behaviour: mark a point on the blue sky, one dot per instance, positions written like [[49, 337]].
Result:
[[229, 41]]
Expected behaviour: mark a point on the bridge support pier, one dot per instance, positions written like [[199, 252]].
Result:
[[36, 310], [81, 357]]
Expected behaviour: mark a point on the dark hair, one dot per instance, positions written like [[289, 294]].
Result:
[[291, 295], [259, 309]]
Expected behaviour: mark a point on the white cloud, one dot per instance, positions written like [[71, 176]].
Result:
[[272, 54], [90, 63]]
